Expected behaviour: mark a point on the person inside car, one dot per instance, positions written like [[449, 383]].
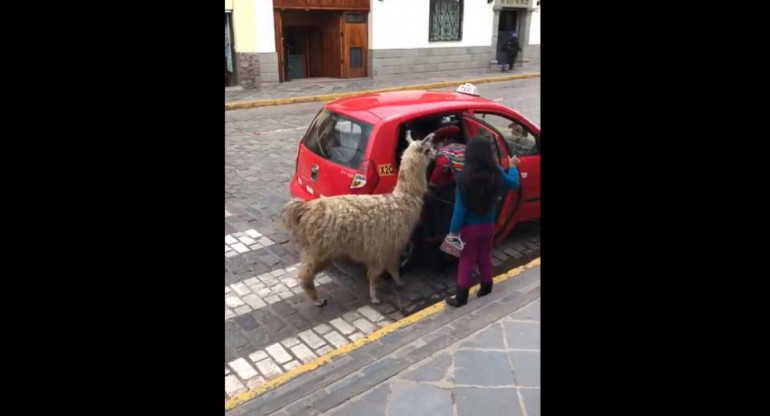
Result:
[[450, 156]]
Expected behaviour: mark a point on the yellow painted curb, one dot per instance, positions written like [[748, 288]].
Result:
[[327, 97], [374, 336]]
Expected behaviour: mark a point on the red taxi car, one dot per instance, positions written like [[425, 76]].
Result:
[[354, 146]]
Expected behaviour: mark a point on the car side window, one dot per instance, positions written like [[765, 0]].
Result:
[[440, 122], [519, 140]]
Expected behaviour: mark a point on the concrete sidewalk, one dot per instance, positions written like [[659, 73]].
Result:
[[495, 371], [326, 86], [481, 359]]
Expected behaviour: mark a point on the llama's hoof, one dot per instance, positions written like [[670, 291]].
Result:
[[320, 302], [375, 300]]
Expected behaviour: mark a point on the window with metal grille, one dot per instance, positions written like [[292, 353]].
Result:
[[446, 20], [355, 18], [356, 58]]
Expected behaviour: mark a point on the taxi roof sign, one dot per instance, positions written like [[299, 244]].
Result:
[[468, 89]]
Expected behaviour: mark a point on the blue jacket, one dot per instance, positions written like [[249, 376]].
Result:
[[462, 217]]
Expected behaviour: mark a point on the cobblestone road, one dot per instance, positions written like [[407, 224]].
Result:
[[269, 326]]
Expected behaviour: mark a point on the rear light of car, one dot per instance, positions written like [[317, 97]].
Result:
[[365, 179]]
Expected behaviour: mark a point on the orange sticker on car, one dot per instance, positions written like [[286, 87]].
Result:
[[387, 170]]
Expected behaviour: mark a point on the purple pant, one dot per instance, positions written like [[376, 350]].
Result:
[[477, 251]]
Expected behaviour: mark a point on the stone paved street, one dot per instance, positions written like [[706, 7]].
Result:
[[478, 360], [270, 327]]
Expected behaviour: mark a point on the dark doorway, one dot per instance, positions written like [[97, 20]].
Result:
[[230, 65], [508, 24], [296, 52]]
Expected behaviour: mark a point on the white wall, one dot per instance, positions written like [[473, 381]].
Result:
[[265, 30], [405, 24], [534, 27]]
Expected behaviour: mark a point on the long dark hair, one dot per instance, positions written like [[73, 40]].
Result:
[[479, 181]]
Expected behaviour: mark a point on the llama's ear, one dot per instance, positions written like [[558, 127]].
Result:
[[429, 138], [409, 137]]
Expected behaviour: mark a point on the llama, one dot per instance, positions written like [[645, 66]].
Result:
[[368, 229]]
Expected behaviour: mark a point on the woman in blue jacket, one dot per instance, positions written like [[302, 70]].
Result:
[[478, 186]]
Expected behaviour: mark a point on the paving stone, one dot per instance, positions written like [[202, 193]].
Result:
[[371, 403], [418, 400], [364, 325], [247, 240], [233, 301], [243, 369], [322, 329], [254, 381], [251, 281], [531, 401], [522, 335], [282, 308], [233, 386], [254, 301], [298, 322], [350, 317], [290, 342], [433, 370], [526, 368], [336, 339], [491, 338], [303, 353], [246, 322], [279, 354], [258, 356], [312, 339], [472, 401], [497, 370], [234, 339], [530, 312], [269, 368], [243, 309], [240, 289], [342, 326]]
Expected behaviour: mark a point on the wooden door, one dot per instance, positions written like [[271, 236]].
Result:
[[279, 49], [332, 45], [315, 52], [355, 45]]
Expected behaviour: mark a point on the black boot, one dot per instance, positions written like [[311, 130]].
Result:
[[459, 299], [486, 288]]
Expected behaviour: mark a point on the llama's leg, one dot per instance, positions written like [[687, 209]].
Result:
[[307, 276], [393, 271], [373, 272]]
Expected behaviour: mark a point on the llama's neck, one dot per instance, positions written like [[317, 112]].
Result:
[[412, 180]]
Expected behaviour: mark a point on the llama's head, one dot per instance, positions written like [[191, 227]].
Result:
[[518, 132], [412, 174]]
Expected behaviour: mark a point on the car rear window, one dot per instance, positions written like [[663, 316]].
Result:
[[337, 138]]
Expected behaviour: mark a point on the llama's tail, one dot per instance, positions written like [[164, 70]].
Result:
[[292, 213]]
